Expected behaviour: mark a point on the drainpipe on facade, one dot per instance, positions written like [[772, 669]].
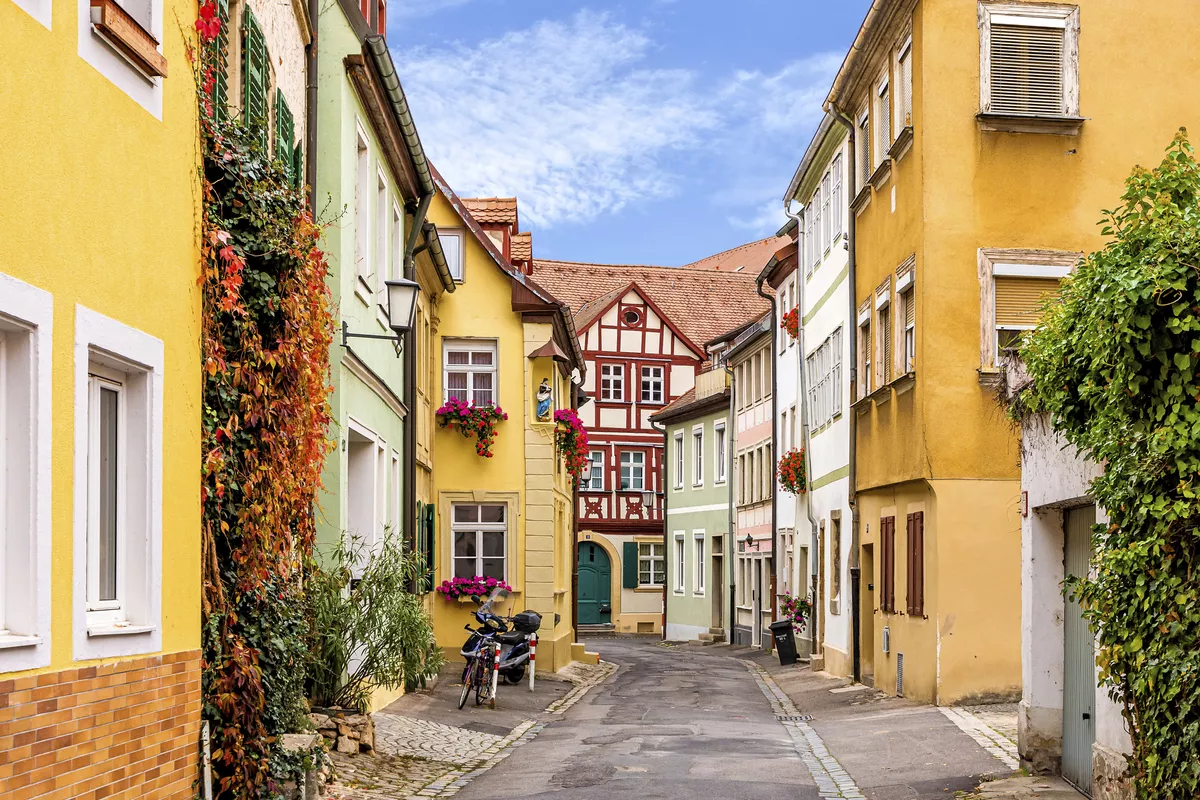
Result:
[[408, 530], [731, 537], [758, 284], [804, 427], [663, 431], [852, 500], [575, 536], [310, 105]]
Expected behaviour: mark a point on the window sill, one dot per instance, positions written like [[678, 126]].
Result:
[[881, 395], [862, 199], [1059, 125], [861, 405], [381, 317], [881, 174], [990, 376], [118, 630], [905, 382], [362, 290], [113, 24], [902, 145], [11, 641], [650, 588]]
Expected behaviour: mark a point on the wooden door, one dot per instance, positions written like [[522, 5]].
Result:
[[595, 585]]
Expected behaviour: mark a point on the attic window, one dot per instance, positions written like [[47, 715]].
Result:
[[632, 317]]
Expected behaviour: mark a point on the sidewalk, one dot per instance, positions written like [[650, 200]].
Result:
[[426, 747], [892, 747]]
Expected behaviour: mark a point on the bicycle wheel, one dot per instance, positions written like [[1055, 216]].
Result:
[[483, 689], [468, 679]]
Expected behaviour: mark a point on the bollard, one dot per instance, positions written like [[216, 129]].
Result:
[[532, 659], [495, 676]]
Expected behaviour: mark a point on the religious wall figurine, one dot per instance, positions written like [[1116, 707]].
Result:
[[543, 400]]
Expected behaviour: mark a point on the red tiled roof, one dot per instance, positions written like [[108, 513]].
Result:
[[492, 209], [685, 399], [520, 247], [748, 257], [701, 303]]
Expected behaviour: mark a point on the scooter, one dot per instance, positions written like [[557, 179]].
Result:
[[514, 642]]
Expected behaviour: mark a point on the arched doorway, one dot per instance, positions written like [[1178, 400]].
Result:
[[595, 585]]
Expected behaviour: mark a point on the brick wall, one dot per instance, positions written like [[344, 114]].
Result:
[[130, 729]]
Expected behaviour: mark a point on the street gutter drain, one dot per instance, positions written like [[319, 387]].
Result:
[[794, 717]]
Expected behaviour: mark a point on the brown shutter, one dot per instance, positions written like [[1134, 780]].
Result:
[[916, 564], [887, 563]]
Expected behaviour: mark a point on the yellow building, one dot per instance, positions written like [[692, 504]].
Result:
[[100, 398], [494, 341], [987, 138]]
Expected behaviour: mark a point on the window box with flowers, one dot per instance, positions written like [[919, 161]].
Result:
[[571, 442], [795, 609], [791, 323], [791, 472], [473, 420], [470, 588]]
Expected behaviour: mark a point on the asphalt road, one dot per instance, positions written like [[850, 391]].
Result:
[[672, 723]]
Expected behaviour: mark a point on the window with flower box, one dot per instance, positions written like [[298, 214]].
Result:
[[470, 371], [480, 534]]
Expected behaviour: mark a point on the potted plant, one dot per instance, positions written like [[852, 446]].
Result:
[[476, 587], [571, 441], [473, 420], [791, 472]]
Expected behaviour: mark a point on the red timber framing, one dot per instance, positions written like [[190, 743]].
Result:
[[638, 361]]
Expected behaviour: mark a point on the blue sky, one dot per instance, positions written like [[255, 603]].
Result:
[[645, 132]]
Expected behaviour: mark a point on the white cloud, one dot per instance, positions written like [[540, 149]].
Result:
[[764, 219], [565, 116], [414, 9]]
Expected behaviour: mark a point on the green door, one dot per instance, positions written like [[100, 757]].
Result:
[[595, 582]]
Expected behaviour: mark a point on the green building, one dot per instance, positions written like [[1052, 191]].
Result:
[[698, 480]]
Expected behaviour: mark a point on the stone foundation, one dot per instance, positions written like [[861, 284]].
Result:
[[1110, 774], [1039, 736], [345, 731]]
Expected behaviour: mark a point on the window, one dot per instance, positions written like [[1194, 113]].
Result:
[[909, 305], [679, 460], [836, 205], [904, 87], [1019, 304], [835, 563], [679, 562], [364, 494], [916, 564], [1029, 60], [698, 456], [452, 249], [824, 367], [480, 540], [863, 142], [768, 472], [785, 442], [818, 246], [652, 563], [885, 344], [118, 488], [362, 258], [631, 317], [883, 121], [470, 372], [887, 564], [1014, 287], [121, 40], [394, 519], [864, 346], [633, 469], [719, 452], [808, 249], [698, 564], [612, 382], [595, 481], [652, 384], [835, 354], [826, 220], [397, 265], [26, 321], [381, 240]]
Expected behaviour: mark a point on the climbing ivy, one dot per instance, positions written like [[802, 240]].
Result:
[[1116, 365]]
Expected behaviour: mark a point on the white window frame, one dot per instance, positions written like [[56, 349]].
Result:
[[720, 453], [818, 250], [362, 213], [595, 482], [455, 258], [863, 140], [638, 463], [698, 455], [883, 116], [382, 230], [143, 89], [1030, 15], [698, 562], [396, 264], [397, 494], [826, 211], [902, 110], [479, 528], [106, 612], [652, 378], [471, 346], [1005, 262], [679, 460], [614, 374], [104, 342], [680, 564], [652, 559], [26, 430], [838, 192]]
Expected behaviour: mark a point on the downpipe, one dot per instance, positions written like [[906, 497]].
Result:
[[663, 430], [770, 298], [731, 537]]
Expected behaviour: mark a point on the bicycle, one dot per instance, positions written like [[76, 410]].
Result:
[[477, 673]]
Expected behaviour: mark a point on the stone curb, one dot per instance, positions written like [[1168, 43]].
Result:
[[987, 737]]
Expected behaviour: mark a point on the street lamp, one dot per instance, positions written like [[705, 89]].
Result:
[[648, 497], [401, 312], [748, 541]]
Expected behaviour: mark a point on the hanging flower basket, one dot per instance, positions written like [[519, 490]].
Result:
[[472, 420], [571, 442], [477, 586], [791, 472], [791, 323], [795, 609]]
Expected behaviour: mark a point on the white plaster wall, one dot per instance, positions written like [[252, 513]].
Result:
[[683, 377], [679, 632]]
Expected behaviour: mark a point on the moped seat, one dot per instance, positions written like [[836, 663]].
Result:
[[512, 637]]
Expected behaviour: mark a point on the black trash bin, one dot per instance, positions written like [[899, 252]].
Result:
[[785, 641]]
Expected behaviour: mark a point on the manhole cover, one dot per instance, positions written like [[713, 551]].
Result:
[[794, 717]]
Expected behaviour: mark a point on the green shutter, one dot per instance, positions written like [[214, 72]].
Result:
[[220, 59], [629, 565], [429, 529], [298, 166], [255, 76], [285, 135]]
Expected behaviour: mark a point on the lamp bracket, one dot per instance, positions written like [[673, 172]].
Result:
[[347, 335]]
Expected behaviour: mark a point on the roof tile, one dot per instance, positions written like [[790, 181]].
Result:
[[492, 209], [747, 257]]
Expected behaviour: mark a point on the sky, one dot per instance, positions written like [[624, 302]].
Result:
[[631, 131]]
